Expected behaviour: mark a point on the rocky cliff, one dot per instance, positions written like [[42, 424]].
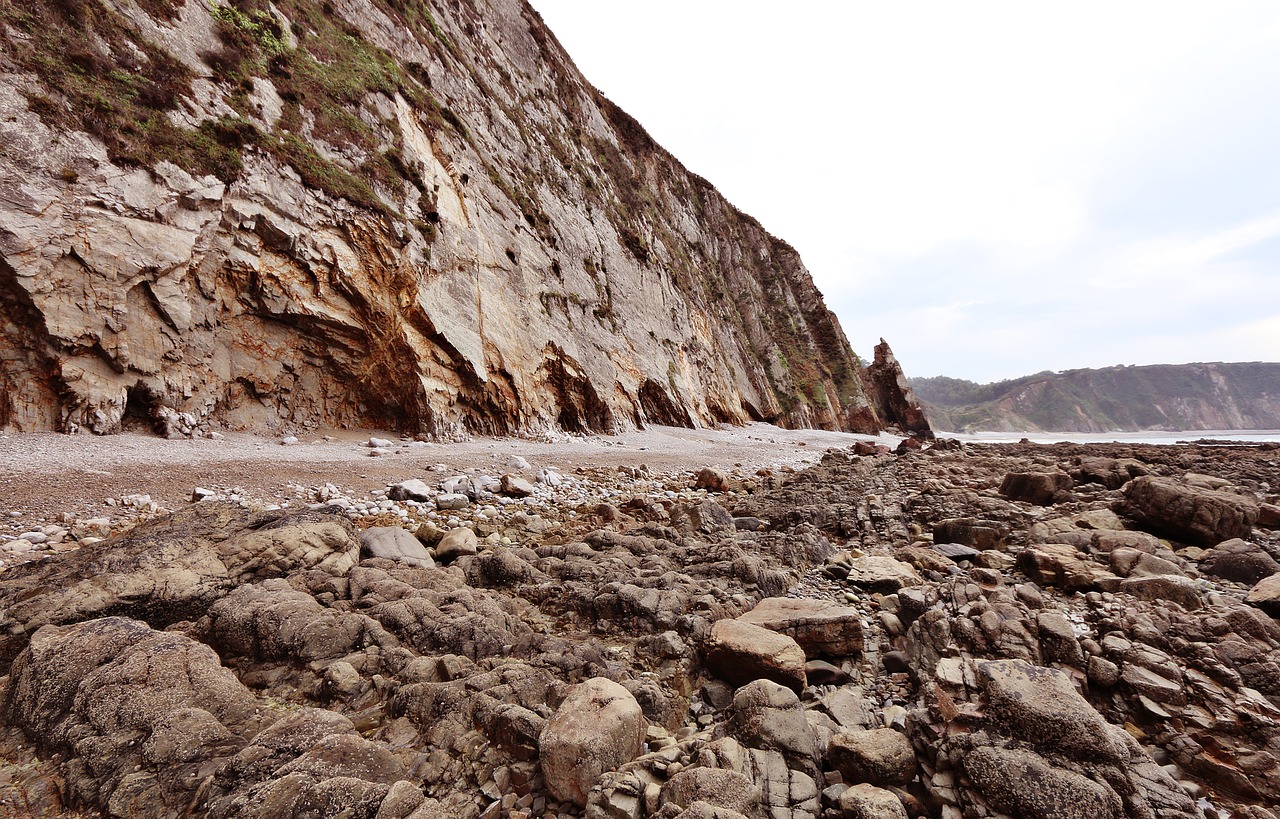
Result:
[[394, 212], [1159, 397]]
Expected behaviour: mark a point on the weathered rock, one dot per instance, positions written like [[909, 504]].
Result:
[[1040, 488], [395, 543], [1133, 563], [1062, 565], [768, 717], [820, 627], [1204, 517], [863, 801], [1041, 706], [881, 757], [980, 534], [725, 789], [1023, 783], [599, 727], [882, 574], [412, 489], [739, 652], [128, 704], [516, 486], [1170, 588], [1239, 561], [711, 479], [457, 543], [1266, 595], [170, 569]]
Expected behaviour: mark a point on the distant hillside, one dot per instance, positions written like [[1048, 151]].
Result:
[[1159, 397]]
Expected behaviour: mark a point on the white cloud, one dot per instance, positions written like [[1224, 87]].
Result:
[[981, 182]]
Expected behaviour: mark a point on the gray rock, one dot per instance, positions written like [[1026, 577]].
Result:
[[452, 500], [1239, 561], [412, 489], [820, 627], [395, 543], [1023, 783], [516, 486]]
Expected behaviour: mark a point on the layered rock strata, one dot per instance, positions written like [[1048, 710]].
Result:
[[374, 212]]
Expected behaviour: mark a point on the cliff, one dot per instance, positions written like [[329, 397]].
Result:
[[1159, 397], [372, 212]]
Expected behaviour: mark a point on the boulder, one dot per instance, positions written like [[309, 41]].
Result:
[[412, 489], [768, 717], [711, 479], [395, 543], [1134, 563], [1192, 514], [1266, 595], [457, 543], [1112, 473], [725, 789], [1165, 588], [1039, 488], [822, 628], [882, 757], [864, 801], [877, 573], [1041, 706], [599, 727], [516, 486], [739, 652], [980, 534], [1061, 565], [1239, 561], [1022, 783]]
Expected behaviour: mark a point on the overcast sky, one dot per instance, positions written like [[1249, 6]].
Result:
[[997, 188]]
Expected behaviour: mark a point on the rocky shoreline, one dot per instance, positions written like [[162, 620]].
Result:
[[947, 630]]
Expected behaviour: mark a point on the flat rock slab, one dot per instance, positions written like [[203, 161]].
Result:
[[882, 574], [822, 628], [740, 652]]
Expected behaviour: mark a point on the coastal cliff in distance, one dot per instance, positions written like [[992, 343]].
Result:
[[1115, 399], [402, 213]]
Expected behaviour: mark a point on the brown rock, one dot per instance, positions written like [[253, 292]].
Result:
[[1266, 595], [880, 757], [822, 628], [1039, 488], [599, 727], [1170, 588], [1203, 517], [1239, 561], [864, 801], [739, 652]]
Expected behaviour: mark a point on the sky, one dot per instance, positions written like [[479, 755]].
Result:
[[996, 188]]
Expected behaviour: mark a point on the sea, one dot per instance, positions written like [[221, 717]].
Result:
[[1233, 436]]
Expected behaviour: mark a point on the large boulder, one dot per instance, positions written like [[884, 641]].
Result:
[[1192, 514], [1039, 488], [599, 727], [768, 717], [822, 628], [739, 652], [395, 543], [1239, 561], [1022, 783], [864, 801], [1040, 705], [880, 757]]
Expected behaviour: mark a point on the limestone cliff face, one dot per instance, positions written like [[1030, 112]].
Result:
[[398, 212]]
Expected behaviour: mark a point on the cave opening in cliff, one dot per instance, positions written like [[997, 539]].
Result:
[[141, 410], [659, 408]]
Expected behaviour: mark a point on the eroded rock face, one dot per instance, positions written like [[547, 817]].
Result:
[[599, 727], [489, 246]]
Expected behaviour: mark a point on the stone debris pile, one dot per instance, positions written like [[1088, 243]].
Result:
[[945, 632]]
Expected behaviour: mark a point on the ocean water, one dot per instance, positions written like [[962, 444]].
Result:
[[1147, 437]]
